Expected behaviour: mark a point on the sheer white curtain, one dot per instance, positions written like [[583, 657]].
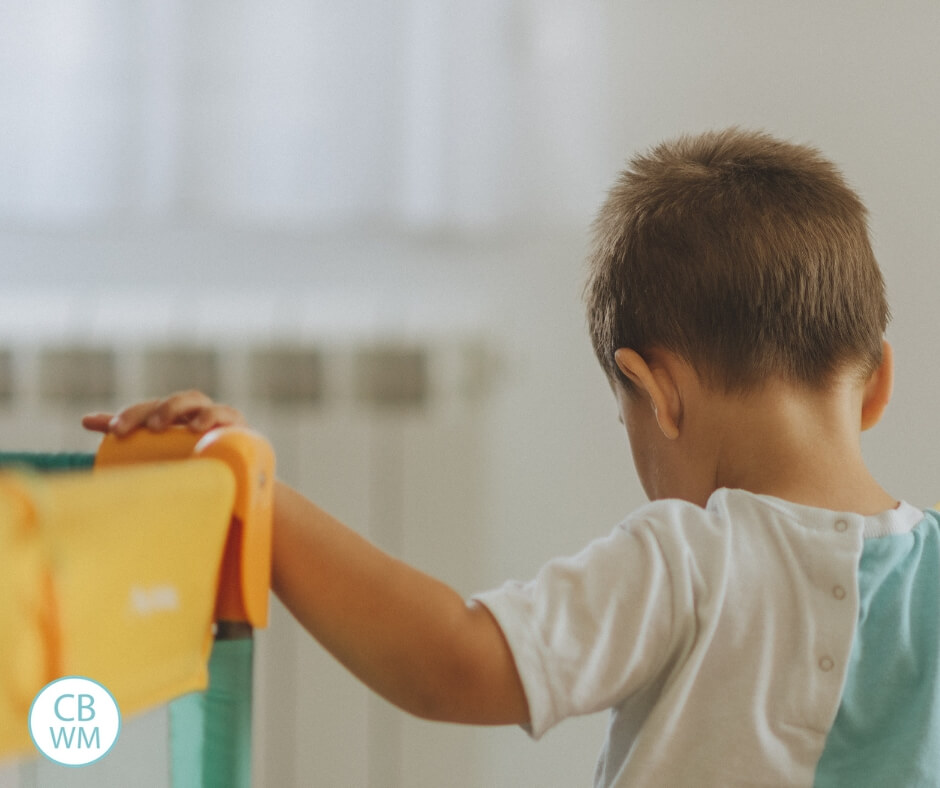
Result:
[[67, 75], [297, 112]]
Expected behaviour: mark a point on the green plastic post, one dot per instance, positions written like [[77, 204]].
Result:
[[210, 731]]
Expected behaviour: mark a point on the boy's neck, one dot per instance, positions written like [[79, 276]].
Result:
[[800, 446]]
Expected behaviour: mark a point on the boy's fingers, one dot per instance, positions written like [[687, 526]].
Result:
[[132, 418], [97, 422], [158, 414], [190, 408], [216, 416], [182, 408]]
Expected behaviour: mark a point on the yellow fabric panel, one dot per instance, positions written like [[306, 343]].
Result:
[[27, 636], [112, 575], [135, 556]]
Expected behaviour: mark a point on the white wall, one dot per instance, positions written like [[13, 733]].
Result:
[[858, 79]]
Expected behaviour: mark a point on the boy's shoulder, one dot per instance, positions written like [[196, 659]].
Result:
[[740, 514], [724, 508]]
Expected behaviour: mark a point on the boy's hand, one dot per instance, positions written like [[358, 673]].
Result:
[[192, 409]]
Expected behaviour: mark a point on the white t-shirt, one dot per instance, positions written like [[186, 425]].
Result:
[[719, 637]]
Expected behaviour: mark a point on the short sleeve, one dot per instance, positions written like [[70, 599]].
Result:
[[591, 629]]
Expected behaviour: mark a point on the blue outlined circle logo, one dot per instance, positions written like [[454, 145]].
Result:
[[74, 721]]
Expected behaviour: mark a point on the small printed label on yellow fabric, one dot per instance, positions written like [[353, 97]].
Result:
[[157, 599], [74, 721]]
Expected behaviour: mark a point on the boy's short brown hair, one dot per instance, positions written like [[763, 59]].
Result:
[[747, 256]]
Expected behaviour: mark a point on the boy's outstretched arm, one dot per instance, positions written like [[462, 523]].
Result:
[[409, 637]]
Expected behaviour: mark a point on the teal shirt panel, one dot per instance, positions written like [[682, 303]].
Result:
[[887, 729]]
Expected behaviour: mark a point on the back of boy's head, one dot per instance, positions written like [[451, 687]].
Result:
[[745, 255]]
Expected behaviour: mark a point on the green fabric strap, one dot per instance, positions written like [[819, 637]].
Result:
[[62, 461]]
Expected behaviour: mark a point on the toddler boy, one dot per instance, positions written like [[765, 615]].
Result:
[[770, 617]]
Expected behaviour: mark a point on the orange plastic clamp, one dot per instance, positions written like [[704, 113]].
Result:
[[245, 575]]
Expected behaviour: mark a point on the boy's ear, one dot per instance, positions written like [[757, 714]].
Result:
[[658, 383], [878, 388]]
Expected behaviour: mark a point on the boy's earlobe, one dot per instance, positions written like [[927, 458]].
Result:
[[878, 389]]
